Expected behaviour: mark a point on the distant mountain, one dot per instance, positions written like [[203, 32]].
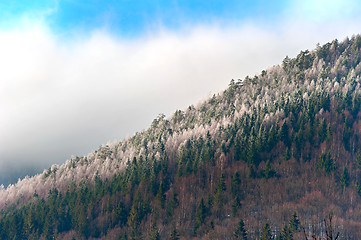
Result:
[[271, 156]]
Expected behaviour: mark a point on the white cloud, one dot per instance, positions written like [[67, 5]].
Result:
[[321, 11], [62, 98]]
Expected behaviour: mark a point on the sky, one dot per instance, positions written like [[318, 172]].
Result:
[[77, 74]]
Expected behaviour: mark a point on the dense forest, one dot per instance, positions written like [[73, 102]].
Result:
[[273, 156]]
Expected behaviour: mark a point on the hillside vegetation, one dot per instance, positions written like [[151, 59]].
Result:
[[270, 155]]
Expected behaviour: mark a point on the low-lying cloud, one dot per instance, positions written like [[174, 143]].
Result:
[[62, 98]]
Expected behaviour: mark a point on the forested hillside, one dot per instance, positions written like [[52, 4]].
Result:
[[268, 157]]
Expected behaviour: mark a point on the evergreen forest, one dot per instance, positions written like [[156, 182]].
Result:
[[273, 156]]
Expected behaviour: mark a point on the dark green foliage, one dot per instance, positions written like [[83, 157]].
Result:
[[236, 184], [358, 159], [174, 235], [240, 233], [326, 163], [252, 172], [286, 234], [289, 230], [236, 205], [221, 187], [173, 204], [160, 197], [284, 135], [195, 169], [328, 133], [154, 233], [200, 215], [287, 155], [345, 178], [268, 172], [358, 188], [304, 60], [322, 131], [266, 232], [294, 223]]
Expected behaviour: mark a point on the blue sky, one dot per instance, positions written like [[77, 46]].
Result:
[[77, 74], [131, 18]]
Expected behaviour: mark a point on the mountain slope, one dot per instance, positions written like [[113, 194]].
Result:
[[282, 142]]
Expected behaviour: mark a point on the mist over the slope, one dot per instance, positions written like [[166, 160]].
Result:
[[62, 98]]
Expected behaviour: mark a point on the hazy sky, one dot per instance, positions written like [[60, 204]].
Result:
[[77, 74]]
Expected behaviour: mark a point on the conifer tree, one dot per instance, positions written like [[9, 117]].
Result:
[[286, 234], [266, 232], [236, 182], [358, 188], [345, 178], [284, 136], [219, 192], [240, 232], [236, 205], [154, 233], [268, 172], [174, 235], [294, 222], [200, 215], [252, 172]]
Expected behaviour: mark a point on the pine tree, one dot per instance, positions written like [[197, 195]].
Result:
[[160, 197], [322, 130], [358, 159], [174, 235], [287, 155], [240, 232], [326, 163], [154, 234], [345, 178], [358, 188], [236, 182], [284, 136], [328, 133], [173, 204], [286, 234], [294, 222], [219, 192], [252, 172], [266, 232], [200, 215], [268, 172], [236, 205]]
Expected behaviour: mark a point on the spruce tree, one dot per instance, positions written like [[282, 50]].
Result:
[[266, 232], [174, 235], [286, 234], [268, 172], [358, 188], [240, 232], [200, 215], [345, 178], [236, 182], [236, 205], [294, 222]]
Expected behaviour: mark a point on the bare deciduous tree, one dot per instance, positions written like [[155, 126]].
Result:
[[329, 228]]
